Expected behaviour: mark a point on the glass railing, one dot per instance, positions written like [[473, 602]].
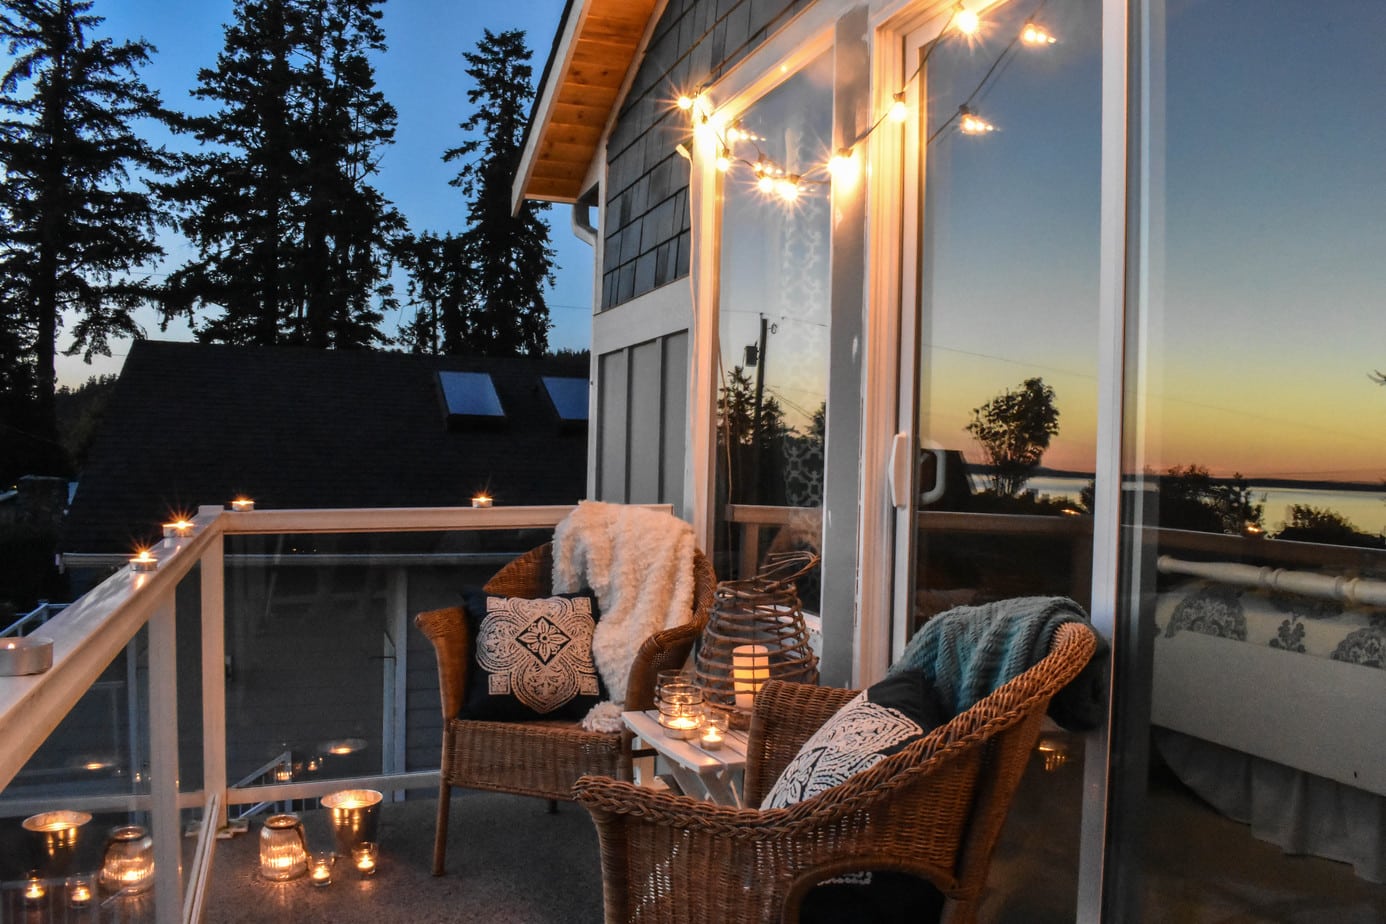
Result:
[[260, 662]]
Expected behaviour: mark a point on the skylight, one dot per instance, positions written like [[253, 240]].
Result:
[[470, 394], [569, 397]]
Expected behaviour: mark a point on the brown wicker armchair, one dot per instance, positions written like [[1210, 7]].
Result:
[[933, 810], [541, 758]]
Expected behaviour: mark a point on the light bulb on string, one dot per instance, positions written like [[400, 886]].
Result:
[[971, 124], [966, 21], [1036, 35], [723, 162], [765, 177], [685, 102], [898, 111], [842, 166], [787, 187]]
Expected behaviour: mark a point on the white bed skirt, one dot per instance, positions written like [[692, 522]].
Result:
[[1297, 811]]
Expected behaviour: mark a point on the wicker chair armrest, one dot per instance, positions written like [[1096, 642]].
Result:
[[447, 630], [665, 650], [785, 716]]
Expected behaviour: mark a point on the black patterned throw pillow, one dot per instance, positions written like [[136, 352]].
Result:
[[877, 723], [531, 659]]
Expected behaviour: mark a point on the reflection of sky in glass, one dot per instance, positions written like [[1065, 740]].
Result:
[[1267, 278], [1274, 240], [774, 254], [1010, 246]]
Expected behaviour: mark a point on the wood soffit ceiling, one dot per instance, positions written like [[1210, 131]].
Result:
[[584, 81]]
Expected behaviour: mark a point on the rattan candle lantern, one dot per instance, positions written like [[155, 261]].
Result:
[[756, 633]]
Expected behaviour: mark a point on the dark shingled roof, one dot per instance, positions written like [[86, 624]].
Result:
[[191, 424]]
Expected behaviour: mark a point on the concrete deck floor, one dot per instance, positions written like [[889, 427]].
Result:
[[508, 861]]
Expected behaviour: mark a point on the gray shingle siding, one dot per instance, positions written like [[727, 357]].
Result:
[[647, 214]]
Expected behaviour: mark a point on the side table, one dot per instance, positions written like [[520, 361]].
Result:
[[714, 775]]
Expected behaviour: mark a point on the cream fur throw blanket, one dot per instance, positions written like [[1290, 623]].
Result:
[[639, 564]]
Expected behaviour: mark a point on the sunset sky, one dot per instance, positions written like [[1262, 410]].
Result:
[[1263, 314], [1266, 320]]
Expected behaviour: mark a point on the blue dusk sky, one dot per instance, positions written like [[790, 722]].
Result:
[[422, 74]]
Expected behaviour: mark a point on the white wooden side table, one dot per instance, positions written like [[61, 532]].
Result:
[[708, 774]]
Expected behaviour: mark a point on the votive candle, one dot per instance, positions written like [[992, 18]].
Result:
[[321, 872], [364, 857]]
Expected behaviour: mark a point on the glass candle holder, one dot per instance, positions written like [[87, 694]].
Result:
[[364, 857], [681, 710], [35, 892], [714, 731], [80, 890], [128, 863], [283, 848], [321, 870]]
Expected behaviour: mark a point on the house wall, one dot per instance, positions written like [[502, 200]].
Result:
[[646, 222], [641, 332]]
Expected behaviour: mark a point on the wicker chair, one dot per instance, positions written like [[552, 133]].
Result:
[[541, 758], [934, 810]]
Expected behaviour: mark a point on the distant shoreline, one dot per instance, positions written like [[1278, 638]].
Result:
[[1291, 484]]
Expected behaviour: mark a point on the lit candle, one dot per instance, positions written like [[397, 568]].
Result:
[[34, 891], [750, 670], [481, 500], [321, 872], [712, 738], [178, 529], [144, 561], [78, 892], [243, 504], [364, 855]]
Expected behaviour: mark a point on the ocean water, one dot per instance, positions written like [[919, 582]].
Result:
[[1365, 509]]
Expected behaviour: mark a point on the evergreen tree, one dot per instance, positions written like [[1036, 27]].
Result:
[[438, 275], [74, 221], [511, 261], [293, 243]]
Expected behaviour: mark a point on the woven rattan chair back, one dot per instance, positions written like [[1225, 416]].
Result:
[[542, 758], [935, 810]]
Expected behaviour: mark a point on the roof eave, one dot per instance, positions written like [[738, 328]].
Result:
[[594, 48]]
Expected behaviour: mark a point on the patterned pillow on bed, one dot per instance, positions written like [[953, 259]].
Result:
[[877, 723], [531, 659]]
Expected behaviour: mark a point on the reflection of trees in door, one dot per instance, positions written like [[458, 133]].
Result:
[[773, 331]]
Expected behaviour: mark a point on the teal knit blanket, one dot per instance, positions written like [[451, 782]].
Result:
[[969, 651]]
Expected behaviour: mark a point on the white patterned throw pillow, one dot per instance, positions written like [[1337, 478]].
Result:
[[878, 722]]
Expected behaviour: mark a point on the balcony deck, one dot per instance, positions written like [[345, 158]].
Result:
[[508, 860]]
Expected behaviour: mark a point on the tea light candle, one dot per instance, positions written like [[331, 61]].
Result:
[[178, 529], [712, 738], [481, 500], [34, 892], [364, 857], [78, 892], [321, 872], [242, 504], [144, 562]]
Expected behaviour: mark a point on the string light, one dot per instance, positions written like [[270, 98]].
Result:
[[971, 124], [899, 112], [967, 21], [843, 167]]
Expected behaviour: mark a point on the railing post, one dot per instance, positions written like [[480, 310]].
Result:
[[397, 675], [163, 759], [214, 675]]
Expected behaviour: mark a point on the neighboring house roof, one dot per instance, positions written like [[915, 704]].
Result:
[[192, 424], [596, 42]]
